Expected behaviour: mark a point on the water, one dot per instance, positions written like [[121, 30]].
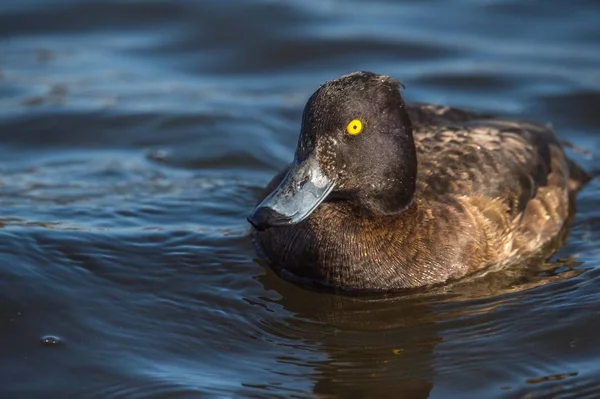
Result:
[[135, 137]]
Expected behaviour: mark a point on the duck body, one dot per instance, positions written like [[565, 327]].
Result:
[[423, 194]]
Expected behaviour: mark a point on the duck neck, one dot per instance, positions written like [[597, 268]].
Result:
[[395, 185], [394, 196]]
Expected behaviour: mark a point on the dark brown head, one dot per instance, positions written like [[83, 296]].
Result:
[[355, 145]]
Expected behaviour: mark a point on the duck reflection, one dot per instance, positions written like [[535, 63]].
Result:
[[376, 347], [385, 346], [381, 348]]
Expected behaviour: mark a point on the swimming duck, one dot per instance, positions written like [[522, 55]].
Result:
[[385, 195]]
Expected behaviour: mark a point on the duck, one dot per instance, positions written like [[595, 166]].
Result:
[[387, 195]]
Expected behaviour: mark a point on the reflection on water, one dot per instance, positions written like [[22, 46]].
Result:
[[136, 136], [387, 346]]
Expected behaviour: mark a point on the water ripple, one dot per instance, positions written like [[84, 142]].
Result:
[[138, 135]]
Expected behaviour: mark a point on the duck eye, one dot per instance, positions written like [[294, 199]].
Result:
[[354, 127]]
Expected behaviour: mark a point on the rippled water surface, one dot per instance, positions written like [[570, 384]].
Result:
[[136, 135]]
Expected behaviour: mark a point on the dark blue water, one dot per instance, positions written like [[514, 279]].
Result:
[[135, 137]]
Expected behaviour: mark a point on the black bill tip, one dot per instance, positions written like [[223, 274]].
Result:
[[264, 217]]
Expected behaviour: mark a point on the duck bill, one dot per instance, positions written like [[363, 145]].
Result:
[[300, 192]]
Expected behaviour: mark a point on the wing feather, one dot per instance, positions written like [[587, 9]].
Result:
[[462, 153]]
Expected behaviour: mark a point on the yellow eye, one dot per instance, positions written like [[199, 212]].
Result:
[[354, 127]]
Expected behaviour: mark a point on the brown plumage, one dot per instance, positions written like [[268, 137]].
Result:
[[482, 192]]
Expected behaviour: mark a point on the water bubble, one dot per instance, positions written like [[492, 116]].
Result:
[[50, 340]]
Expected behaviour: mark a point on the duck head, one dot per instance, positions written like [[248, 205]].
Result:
[[355, 145]]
